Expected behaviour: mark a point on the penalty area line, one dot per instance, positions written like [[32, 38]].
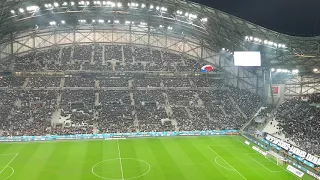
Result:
[[9, 163], [261, 164], [228, 163]]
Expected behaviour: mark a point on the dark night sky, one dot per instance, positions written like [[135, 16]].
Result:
[[293, 17]]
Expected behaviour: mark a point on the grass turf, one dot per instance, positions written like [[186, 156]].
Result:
[[167, 158]]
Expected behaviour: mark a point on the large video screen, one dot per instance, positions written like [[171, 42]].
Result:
[[247, 58]]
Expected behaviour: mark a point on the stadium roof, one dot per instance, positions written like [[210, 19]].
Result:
[[222, 30]]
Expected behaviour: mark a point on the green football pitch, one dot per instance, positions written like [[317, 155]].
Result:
[[165, 158]]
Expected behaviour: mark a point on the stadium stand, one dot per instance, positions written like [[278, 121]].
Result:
[[127, 104], [299, 119]]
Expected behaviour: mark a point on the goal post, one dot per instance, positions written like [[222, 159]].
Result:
[[280, 160]]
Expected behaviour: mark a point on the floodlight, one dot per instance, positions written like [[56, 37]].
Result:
[[21, 10], [12, 11], [88, 2], [63, 22], [204, 19], [52, 23], [251, 38], [55, 4], [101, 21], [157, 8], [163, 9], [151, 7], [223, 49], [104, 3], [143, 5], [265, 42], [72, 3], [119, 5], [315, 70], [64, 4], [127, 22], [160, 26], [295, 71], [169, 27], [93, 20]]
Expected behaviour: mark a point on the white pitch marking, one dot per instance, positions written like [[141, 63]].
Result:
[[215, 159], [261, 164], [266, 158], [9, 163], [259, 154], [12, 172], [120, 160], [227, 163], [135, 177]]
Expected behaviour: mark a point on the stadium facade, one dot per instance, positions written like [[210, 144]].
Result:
[[182, 27]]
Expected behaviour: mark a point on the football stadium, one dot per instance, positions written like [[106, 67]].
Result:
[[153, 90]]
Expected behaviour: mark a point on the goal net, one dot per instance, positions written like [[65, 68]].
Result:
[[275, 157]]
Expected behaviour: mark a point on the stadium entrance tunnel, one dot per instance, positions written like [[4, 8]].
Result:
[[121, 169]]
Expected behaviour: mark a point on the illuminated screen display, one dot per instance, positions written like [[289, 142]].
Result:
[[247, 58]]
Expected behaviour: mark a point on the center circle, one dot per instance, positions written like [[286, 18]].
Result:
[[121, 169]]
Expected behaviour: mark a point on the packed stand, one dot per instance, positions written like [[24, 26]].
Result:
[[11, 82], [247, 101], [31, 116], [43, 82], [176, 82], [147, 82], [113, 82], [82, 53], [79, 82], [299, 119], [115, 112]]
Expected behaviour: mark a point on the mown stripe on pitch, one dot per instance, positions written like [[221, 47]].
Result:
[[170, 169], [54, 166], [202, 162]]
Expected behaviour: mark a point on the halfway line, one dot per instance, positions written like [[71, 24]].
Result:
[[120, 159]]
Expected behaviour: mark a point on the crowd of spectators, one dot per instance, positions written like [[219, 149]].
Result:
[[110, 110], [30, 112], [98, 57], [82, 53], [169, 103], [43, 82], [247, 101], [79, 82], [299, 120], [11, 82]]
